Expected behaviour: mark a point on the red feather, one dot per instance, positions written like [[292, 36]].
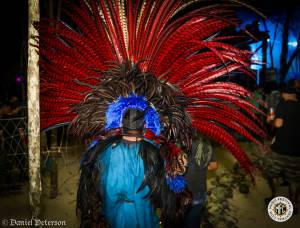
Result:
[[180, 45]]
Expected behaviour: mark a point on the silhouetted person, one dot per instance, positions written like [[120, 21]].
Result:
[[201, 159], [284, 161]]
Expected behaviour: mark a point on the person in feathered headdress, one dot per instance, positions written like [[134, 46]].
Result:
[[140, 169], [141, 77]]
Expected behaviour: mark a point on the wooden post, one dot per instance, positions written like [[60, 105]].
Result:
[[33, 91]]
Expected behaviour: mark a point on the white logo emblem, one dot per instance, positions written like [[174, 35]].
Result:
[[280, 209]]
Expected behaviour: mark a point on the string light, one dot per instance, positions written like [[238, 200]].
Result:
[[293, 44]]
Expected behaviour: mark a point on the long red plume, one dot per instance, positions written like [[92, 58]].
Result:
[[177, 43]]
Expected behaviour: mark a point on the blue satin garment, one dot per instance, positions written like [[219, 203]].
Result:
[[122, 173]]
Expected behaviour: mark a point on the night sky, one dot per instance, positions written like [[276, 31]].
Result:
[[13, 49], [14, 37]]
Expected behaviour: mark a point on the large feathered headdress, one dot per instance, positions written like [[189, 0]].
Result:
[[166, 58]]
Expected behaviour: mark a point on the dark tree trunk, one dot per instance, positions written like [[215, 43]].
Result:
[[272, 45], [284, 47], [293, 56]]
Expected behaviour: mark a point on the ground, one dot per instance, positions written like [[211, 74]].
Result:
[[247, 208]]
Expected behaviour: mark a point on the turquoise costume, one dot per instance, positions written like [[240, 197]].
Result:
[[122, 171]]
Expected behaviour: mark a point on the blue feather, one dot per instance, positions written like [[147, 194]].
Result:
[[88, 151], [92, 144], [177, 184], [116, 110]]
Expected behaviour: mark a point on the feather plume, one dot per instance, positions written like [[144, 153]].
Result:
[[167, 51]]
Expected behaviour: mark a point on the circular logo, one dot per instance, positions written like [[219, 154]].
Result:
[[280, 209]]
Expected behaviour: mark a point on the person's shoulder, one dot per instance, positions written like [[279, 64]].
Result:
[[96, 148], [291, 106]]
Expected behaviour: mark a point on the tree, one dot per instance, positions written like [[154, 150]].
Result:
[[286, 63], [33, 84]]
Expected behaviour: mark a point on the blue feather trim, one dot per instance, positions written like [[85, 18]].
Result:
[[116, 110], [93, 143], [88, 151], [177, 184]]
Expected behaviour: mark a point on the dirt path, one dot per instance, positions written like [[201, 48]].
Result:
[[249, 208]]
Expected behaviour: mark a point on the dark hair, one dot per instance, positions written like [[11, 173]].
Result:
[[133, 119], [89, 200]]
